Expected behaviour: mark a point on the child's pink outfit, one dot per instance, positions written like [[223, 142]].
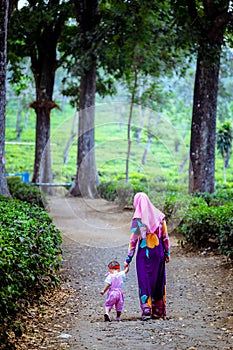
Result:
[[115, 294]]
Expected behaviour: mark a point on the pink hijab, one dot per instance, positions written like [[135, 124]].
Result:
[[147, 212]]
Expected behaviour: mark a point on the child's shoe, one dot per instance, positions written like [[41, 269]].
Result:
[[107, 318]]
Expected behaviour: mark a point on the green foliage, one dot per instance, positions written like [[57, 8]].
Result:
[[125, 194], [202, 218], [204, 225], [107, 190], [224, 139], [122, 192], [175, 205], [30, 255], [220, 197], [25, 191]]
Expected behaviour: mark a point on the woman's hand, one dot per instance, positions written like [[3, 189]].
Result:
[[167, 258]]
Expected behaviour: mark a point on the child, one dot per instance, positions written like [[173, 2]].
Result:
[[115, 296]]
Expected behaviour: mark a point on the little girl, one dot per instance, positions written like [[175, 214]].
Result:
[[115, 296]]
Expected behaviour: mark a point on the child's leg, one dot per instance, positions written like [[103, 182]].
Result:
[[118, 316], [106, 315], [107, 310], [108, 307], [119, 308]]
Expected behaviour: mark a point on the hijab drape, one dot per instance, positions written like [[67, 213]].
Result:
[[147, 212]]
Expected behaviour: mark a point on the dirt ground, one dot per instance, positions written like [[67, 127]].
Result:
[[199, 290]]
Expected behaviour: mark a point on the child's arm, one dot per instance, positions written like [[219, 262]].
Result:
[[105, 289]]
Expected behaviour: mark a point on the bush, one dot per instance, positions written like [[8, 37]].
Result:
[[220, 197], [125, 194], [120, 191], [26, 192], [203, 225], [30, 255], [107, 190]]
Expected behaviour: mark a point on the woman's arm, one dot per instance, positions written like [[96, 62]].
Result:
[[166, 241], [135, 233]]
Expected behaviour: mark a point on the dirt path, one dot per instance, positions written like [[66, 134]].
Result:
[[199, 291]]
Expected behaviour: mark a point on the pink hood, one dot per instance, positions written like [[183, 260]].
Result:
[[147, 212]]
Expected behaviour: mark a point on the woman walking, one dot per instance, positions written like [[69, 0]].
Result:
[[149, 239]]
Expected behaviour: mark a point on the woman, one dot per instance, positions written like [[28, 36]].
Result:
[[149, 235]]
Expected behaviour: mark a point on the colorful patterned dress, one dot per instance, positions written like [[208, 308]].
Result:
[[150, 264]]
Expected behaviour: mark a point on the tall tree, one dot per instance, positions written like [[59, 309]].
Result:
[[35, 32], [86, 179], [206, 24], [144, 52], [3, 57], [224, 144]]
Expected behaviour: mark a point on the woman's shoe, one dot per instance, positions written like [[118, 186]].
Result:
[[146, 317], [155, 317]]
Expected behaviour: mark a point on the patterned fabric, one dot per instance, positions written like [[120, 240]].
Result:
[[150, 265], [139, 232]]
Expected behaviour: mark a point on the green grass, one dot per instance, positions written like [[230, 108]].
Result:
[[162, 165]]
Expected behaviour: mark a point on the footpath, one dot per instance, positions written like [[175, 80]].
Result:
[[199, 291]]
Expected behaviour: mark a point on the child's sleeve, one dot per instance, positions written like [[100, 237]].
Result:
[[108, 279]]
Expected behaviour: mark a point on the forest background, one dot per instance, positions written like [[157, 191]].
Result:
[[150, 87], [110, 48]]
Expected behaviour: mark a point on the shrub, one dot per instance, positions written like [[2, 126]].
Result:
[[220, 197], [30, 255], [120, 191], [107, 190], [125, 194], [26, 192], [224, 234], [203, 225]]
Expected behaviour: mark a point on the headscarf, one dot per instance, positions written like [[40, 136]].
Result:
[[147, 212]]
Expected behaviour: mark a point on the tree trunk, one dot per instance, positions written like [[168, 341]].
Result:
[[149, 137], [129, 124], [73, 135], [18, 128], [42, 164], [210, 26], [44, 65], [86, 179], [3, 55], [146, 150], [203, 128]]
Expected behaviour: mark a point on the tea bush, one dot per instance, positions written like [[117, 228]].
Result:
[[220, 197], [201, 218], [205, 224], [30, 256], [120, 191], [26, 192], [107, 190]]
